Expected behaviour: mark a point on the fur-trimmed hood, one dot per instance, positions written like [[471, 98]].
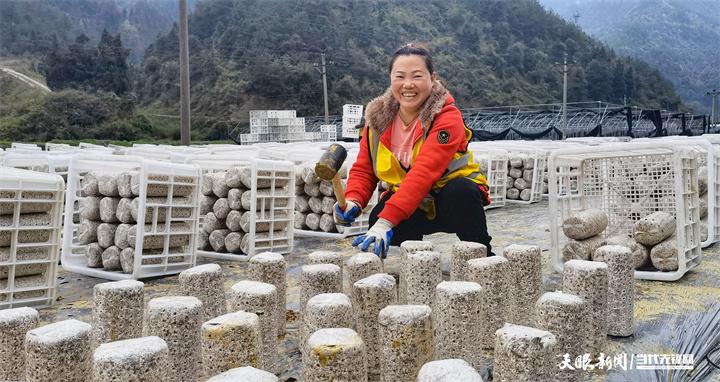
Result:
[[381, 110]]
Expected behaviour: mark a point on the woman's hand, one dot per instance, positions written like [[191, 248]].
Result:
[[378, 236], [346, 217]]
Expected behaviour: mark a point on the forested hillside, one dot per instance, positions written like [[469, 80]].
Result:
[[263, 54], [680, 38], [249, 54], [32, 27]]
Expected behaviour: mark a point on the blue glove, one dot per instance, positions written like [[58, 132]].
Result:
[[379, 236], [347, 217]]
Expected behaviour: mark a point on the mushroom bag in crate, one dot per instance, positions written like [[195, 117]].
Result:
[[138, 217], [627, 182], [252, 210]]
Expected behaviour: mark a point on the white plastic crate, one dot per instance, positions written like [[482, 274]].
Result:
[[211, 164], [25, 146], [537, 156], [259, 129], [255, 122], [258, 114], [150, 173], [54, 162], [280, 241], [24, 255], [352, 110], [706, 156], [607, 179], [595, 141], [281, 114], [296, 129], [152, 153], [349, 131], [360, 226], [494, 164], [348, 126], [714, 203], [280, 121], [86, 145], [58, 147]]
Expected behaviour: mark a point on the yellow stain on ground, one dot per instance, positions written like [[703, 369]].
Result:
[[83, 304], [692, 293], [657, 298]]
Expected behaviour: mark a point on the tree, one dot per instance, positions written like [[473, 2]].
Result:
[[101, 69], [598, 83], [618, 83], [629, 83], [79, 64], [111, 69]]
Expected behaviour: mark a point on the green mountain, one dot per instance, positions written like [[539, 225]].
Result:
[[248, 54], [680, 38], [32, 27]]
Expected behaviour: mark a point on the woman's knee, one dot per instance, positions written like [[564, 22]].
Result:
[[463, 188]]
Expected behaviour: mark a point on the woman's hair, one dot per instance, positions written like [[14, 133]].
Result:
[[413, 49]]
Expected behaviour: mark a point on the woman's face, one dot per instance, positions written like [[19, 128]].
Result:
[[410, 82]]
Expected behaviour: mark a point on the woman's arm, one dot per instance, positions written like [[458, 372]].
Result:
[[361, 181], [433, 159]]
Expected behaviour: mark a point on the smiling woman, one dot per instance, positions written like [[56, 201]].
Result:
[[415, 137]]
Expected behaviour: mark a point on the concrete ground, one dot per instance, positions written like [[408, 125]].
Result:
[[664, 311]]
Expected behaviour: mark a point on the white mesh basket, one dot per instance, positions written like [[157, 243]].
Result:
[[706, 154], [607, 178]]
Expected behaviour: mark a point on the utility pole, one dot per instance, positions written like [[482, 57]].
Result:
[[184, 77], [323, 70], [576, 16], [564, 71], [713, 93], [565, 68]]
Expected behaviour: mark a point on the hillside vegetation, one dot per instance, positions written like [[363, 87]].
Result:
[[678, 37], [262, 54], [249, 54]]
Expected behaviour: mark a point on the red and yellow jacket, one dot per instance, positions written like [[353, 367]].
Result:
[[439, 155]]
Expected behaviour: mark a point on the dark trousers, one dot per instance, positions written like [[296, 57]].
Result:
[[459, 210]]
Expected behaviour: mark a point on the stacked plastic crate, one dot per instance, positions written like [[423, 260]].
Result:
[[138, 217], [274, 126], [328, 133], [352, 115], [31, 205], [296, 130]]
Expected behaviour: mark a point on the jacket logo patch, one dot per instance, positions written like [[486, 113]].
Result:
[[443, 136]]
